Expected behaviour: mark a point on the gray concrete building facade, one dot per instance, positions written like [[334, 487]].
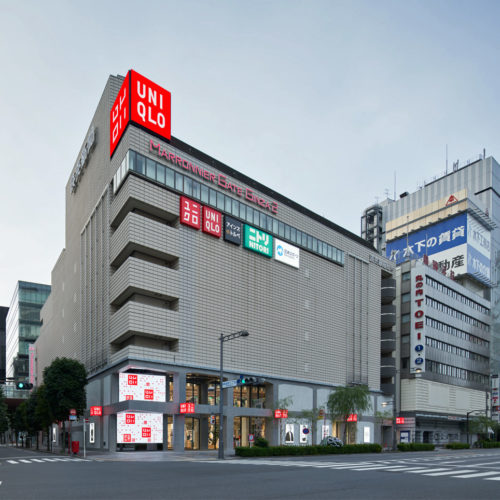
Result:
[[166, 249]]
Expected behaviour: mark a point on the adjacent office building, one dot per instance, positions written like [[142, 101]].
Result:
[[167, 249], [3, 339], [443, 239], [23, 328]]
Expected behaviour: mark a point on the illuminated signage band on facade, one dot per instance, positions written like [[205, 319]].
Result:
[[218, 179], [142, 102], [258, 241]]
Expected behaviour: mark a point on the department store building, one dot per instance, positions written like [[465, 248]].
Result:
[[167, 249]]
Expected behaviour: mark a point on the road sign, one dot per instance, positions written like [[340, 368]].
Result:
[[212, 419], [72, 418], [230, 383], [72, 411], [305, 430], [250, 437], [86, 420]]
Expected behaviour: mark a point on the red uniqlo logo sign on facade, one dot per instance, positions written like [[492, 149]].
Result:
[[143, 102], [212, 222], [130, 418], [352, 417], [149, 394], [190, 213], [132, 380], [96, 411], [127, 438], [280, 413], [146, 432], [400, 420], [186, 408]]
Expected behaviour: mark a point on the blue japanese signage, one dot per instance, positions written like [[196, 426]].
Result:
[[430, 240]]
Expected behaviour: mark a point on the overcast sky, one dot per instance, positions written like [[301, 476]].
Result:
[[322, 101]]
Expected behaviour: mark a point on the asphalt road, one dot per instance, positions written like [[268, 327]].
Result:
[[469, 474]]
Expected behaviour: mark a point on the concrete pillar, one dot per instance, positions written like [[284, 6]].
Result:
[[179, 383], [203, 432]]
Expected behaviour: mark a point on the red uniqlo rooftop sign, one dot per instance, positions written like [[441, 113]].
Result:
[[186, 408], [142, 102], [96, 411]]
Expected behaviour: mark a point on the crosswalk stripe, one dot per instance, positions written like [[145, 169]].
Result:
[[478, 474], [421, 471], [12, 461], [492, 478], [49, 460], [449, 473], [381, 467], [24, 461], [36, 460], [408, 469]]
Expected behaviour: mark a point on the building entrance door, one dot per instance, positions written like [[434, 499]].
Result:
[[192, 433]]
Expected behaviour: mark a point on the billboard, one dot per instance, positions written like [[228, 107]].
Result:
[[429, 240], [286, 253], [459, 244], [142, 102], [138, 427], [141, 387], [258, 241]]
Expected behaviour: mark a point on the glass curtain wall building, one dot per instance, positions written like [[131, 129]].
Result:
[[23, 326]]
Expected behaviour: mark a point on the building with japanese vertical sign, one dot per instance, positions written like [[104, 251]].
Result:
[[443, 239]]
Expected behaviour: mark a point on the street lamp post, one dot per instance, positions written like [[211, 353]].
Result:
[[467, 421], [224, 338]]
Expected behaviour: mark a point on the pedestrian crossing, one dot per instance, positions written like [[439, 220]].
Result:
[[20, 461], [429, 467]]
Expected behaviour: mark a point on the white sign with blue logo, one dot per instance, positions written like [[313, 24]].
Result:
[[286, 253]]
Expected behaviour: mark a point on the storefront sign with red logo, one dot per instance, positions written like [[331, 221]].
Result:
[[212, 222], [96, 411], [186, 408], [190, 212], [352, 417]]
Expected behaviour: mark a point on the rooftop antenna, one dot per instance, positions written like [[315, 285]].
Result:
[[386, 192]]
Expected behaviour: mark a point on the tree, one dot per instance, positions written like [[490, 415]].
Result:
[[43, 414], [19, 423], [65, 380], [346, 401]]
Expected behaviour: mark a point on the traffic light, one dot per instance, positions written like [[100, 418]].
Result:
[[246, 380], [24, 386]]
